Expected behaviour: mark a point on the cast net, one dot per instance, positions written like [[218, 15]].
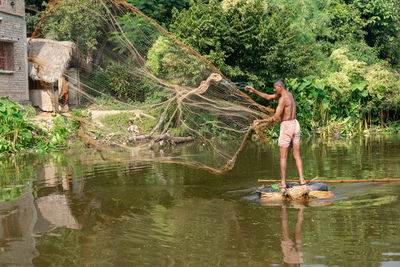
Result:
[[125, 67]]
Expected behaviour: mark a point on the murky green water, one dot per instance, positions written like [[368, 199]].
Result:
[[72, 209]]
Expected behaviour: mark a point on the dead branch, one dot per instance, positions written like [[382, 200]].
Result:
[[119, 125], [162, 118], [162, 137]]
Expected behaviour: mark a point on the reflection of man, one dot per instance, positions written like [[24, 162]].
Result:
[[292, 251], [290, 128]]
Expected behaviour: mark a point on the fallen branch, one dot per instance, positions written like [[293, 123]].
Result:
[[140, 138], [162, 118], [162, 137], [179, 140]]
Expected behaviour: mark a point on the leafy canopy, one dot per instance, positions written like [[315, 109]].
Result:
[[76, 21], [247, 40]]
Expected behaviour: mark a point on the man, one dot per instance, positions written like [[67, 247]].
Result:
[[290, 128]]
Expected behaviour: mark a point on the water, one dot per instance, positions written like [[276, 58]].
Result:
[[73, 209]]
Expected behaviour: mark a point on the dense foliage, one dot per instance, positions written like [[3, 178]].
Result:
[[19, 133], [159, 10], [340, 57], [249, 41], [15, 130], [120, 82], [76, 21], [175, 67], [381, 23], [36, 3]]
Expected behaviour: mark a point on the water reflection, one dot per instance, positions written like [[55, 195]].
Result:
[[17, 222], [292, 251], [42, 208], [75, 209]]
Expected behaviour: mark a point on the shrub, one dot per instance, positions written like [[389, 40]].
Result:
[[176, 64], [15, 130], [122, 80], [383, 86], [349, 95]]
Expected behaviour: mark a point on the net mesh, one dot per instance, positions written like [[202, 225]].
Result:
[[134, 69]]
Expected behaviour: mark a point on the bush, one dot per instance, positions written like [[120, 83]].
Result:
[[121, 80], [374, 87], [383, 87], [15, 130], [176, 64], [347, 97]]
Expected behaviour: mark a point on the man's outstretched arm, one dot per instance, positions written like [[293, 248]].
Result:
[[265, 96]]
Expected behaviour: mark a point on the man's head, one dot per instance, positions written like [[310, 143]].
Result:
[[130, 122], [279, 85]]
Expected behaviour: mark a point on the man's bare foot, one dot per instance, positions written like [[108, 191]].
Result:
[[282, 187], [302, 182]]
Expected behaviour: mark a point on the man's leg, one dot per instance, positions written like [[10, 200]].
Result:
[[283, 157], [299, 163], [285, 224], [299, 223]]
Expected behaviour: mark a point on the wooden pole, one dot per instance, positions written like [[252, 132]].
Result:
[[335, 181]]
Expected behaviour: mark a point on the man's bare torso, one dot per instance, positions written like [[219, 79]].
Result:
[[289, 110]]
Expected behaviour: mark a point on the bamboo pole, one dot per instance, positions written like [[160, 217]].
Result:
[[335, 181]]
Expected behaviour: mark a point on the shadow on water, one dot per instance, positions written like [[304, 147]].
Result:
[[71, 209]]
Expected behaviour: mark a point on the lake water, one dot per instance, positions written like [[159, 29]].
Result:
[[73, 209]]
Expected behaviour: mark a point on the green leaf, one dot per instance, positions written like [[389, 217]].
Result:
[[364, 93]]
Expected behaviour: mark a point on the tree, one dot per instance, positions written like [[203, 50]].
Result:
[[159, 10], [345, 22], [247, 40], [175, 63], [75, 20], [39, 4], [381, 22], [33, 13]]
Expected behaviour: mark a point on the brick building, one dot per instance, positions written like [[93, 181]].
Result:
[[13, 51]]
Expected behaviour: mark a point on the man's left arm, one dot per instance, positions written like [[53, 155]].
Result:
[[279, 110], [277, 115]]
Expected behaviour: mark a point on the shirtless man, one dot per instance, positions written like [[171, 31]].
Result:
[[290, 128]]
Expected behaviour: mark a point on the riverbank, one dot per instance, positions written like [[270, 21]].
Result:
[[28, 131]]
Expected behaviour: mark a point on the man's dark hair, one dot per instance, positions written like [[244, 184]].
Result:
[[280, 82]]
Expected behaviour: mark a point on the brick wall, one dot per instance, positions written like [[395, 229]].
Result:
[[13, 30], [13, 6]]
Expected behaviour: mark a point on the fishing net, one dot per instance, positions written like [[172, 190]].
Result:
[[134, 70]]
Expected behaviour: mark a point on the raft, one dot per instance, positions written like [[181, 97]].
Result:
[[295, 191]]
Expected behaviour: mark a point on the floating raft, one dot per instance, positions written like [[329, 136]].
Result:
[[295, 191]]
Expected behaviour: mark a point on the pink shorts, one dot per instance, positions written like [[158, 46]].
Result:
[[290, 134]]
